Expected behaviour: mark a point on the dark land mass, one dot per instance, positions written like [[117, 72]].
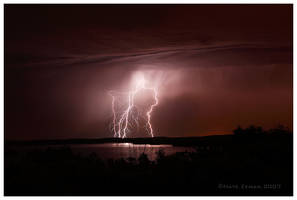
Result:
[[250, 162]]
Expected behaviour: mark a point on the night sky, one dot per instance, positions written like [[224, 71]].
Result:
[[217, 67]]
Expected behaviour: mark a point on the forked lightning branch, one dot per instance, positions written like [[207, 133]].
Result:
[[124, 120]]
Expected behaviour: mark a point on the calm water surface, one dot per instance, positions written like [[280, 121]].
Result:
[[125, 150], [114, 150]]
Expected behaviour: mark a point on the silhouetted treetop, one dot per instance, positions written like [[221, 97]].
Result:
[[258, 130]]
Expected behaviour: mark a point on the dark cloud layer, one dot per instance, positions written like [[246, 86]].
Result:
[[220, 66]]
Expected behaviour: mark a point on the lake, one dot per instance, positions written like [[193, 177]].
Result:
[[115, 150], [125, 150]]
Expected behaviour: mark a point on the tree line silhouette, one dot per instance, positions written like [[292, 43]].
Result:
[[258, 130]]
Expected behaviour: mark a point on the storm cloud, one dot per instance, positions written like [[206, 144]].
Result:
[[218, 66]]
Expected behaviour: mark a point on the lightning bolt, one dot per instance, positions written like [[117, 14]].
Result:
[[148, 114], [114, 115], [121, 123]]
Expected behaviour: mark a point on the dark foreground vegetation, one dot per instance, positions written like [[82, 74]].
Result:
[[250, 162]]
